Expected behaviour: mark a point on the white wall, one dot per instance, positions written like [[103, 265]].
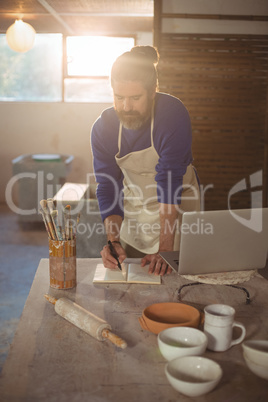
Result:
[[64, 128], [225, 7], [216, 7]]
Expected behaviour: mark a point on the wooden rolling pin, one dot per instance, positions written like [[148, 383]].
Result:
[[83, 319]]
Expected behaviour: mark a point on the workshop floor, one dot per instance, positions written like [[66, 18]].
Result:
[[21, 248]]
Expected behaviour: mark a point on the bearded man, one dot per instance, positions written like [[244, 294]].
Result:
[[142, 160]]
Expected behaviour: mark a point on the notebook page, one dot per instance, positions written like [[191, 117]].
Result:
[[103, 274], [138, 274]]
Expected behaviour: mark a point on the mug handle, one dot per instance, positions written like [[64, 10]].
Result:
[[242, 336]]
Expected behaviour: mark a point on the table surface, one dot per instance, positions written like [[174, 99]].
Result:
[[52, 360]]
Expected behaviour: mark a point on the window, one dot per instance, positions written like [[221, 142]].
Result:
[[37, 75], [89, 63]]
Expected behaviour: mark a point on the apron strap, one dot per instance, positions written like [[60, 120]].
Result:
[[152, 125], [119, 138]]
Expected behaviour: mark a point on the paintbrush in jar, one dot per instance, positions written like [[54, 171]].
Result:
[[66, 214], [43, 204], [45, 222], [50, 204], [77, 221], [54, 218]]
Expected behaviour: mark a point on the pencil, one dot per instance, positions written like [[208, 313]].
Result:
[[114, 254]]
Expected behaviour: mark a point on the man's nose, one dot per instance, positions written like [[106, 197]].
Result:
[[127, 105]]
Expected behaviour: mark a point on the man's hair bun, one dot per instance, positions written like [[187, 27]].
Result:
[[138, 64], [149, 52]]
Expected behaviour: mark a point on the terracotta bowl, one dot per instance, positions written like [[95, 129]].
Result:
[[159, 316]]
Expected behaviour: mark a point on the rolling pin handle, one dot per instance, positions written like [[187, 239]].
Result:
[[116, 340], [51, 299]]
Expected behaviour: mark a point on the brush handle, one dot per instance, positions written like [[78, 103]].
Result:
[[54, 219], [50, 204], [45, 222], [66, 214], [43, 204]]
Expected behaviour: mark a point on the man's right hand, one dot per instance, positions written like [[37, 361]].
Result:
[[108, 260]]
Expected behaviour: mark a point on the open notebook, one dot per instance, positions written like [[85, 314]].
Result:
[[132, 272]]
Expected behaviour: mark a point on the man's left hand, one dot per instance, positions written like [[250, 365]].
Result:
[[157, 265]]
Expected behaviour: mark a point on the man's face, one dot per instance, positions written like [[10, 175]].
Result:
[[132, 103]]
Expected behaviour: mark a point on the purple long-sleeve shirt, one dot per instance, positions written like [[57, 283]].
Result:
[[172, 137]]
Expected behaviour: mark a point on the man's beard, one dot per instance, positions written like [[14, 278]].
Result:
[[133, 120]]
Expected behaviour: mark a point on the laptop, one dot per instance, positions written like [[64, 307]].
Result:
[[221, 241]]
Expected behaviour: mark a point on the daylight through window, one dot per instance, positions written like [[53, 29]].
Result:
[[89, 63], [33, 76], [37, 75]]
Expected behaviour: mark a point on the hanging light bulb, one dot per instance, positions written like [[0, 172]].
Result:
[[20, 36]]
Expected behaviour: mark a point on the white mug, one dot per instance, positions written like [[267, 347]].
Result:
[[218, 326]]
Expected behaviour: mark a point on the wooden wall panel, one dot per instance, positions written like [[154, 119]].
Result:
[[222, 80]]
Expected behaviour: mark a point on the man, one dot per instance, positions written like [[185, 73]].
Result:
[[142, 163]]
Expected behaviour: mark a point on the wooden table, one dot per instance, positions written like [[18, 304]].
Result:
[[52, 360]]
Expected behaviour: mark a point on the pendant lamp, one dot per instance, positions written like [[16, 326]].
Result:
[[20, 36]]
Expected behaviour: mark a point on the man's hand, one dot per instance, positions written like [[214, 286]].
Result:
[[168, 215], [157, 265], [112, 226], [108, 260]]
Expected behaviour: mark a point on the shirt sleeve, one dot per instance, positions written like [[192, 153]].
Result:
[[173, 143], [108, 175]]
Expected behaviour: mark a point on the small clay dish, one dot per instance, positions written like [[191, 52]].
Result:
[[160, 316]]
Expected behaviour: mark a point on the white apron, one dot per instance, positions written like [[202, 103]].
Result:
[[141, 225]]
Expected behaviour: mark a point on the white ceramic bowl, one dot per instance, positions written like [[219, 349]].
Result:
[[256, 351], [259, 370], [193, 375], [181, 341]]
